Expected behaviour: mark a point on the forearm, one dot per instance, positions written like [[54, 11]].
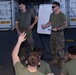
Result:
[[35, 21], [16, 49], [22, 38], [63, 27], [48, 24], [16, 25], [15, 52]]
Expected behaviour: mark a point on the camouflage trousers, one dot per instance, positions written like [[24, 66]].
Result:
[[57, 45], [29, 41]]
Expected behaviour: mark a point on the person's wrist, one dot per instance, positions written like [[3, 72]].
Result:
[[45, 25], [19, 42]]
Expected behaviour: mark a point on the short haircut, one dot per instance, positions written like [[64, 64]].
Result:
[[56, 3], [72, 50], [21, 2], [33, 59], [38, 50]]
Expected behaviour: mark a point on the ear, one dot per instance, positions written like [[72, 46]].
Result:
[[26, 62], [39, 63]]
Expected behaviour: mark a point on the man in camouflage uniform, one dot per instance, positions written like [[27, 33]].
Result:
[[58, 22], [23, 24]]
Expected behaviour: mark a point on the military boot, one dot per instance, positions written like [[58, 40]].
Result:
[[60, 62], [66, 58], [54, 61]]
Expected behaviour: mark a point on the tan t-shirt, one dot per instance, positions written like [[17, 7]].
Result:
[[57, 20], [69, 67], [24, 18]]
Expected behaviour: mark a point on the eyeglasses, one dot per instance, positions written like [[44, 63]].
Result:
[[53, 6]]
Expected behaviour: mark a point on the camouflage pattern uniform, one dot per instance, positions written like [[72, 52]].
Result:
[[57, 37], [57, 45]]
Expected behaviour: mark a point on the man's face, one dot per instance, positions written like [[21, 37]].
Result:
[[54, 7], [22, 7]]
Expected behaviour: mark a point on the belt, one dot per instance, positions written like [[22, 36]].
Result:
[[24, 27], [57, 31]]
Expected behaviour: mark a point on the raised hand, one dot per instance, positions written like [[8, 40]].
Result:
[[22, 37]]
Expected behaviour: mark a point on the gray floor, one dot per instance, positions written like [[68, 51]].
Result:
[[8, 40]]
